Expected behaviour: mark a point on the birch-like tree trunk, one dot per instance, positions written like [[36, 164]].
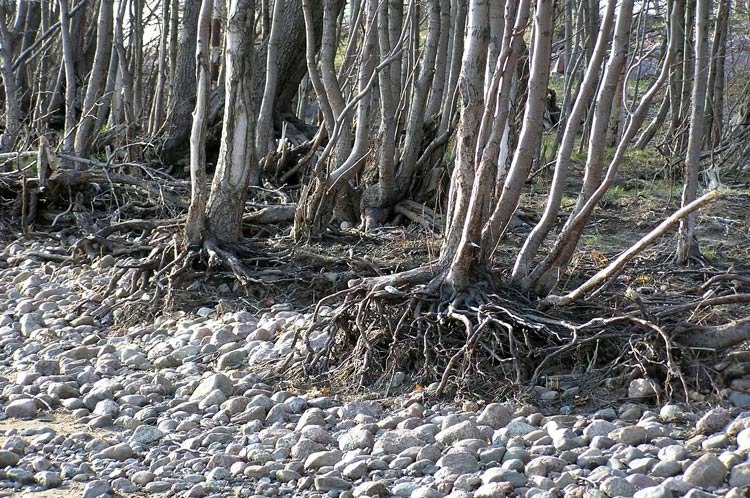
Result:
[[68, 140], [687, 242], [12, 108], [89, 122], [712, 129], [178, 119], [604, 102], [562, 165], [236, 161], [195, 225], [531, 130], [162, 77], [264, 130]]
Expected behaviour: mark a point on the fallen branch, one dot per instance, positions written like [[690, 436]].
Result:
[[713, 337], [72, 178], [705, 303], [271, 214], [614, 268], [724, 276]]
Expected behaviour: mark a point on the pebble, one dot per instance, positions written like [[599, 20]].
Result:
[[21, 408], [706, 472], [171, 407]]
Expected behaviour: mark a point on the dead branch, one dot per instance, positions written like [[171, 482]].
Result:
[[724, 276], [271, 214], [70, 178], [713, 337], [704, 303], [614, 268]]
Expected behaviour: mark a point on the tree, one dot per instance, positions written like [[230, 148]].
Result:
[[97, 78], [687, 244]]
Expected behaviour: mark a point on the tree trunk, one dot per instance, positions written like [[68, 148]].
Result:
[[712, 129], [136, 47], [236, 161], [89, 122], [687, 242], [126, 77], [12, 108], [196, 222], [70, 78], [531, 131], [604, 100], [441, 62], [157, 115], [265, 124], [547, 273], [531, 246], [179, 117], [471, 89]]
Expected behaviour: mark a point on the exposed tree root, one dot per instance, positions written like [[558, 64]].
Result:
[[475, 342]]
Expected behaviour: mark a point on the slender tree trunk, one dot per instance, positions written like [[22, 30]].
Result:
[[531, 131], [457, 49], [655, 125], [588, 87], [312, 71], [715, 87], [179, 118], [471, 89], [136, 45], [677, 10], [70, 78], [416, 118], [265, 123], [162, 76], [604, 100], [195, 225], [174, 26], [236, 162], [441, 61], [12, 108], [105, 107], [547, 273], [89, 122], [126, 77], [687, 242]]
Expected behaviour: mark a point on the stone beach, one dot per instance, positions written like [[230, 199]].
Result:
[[176, 408]]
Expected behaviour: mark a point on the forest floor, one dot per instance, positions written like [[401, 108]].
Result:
[[295, 276]]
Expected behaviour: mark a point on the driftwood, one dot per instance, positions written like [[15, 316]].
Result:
[[713, 337], [71, 178], [614, 268], [271, 214]]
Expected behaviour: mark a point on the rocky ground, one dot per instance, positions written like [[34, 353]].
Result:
[[170, 408]]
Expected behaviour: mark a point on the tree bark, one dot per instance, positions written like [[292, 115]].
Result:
[[70, 78], [265, 124], [612, 75], [471, 89], [157, 115], [179, 117], [531, 246], [12, 108], [713, 126], [89, 122], [236, 162], [195, 225], [531, 131], [687, 242]]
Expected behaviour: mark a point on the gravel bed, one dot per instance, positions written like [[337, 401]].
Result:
[[172, 408]]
